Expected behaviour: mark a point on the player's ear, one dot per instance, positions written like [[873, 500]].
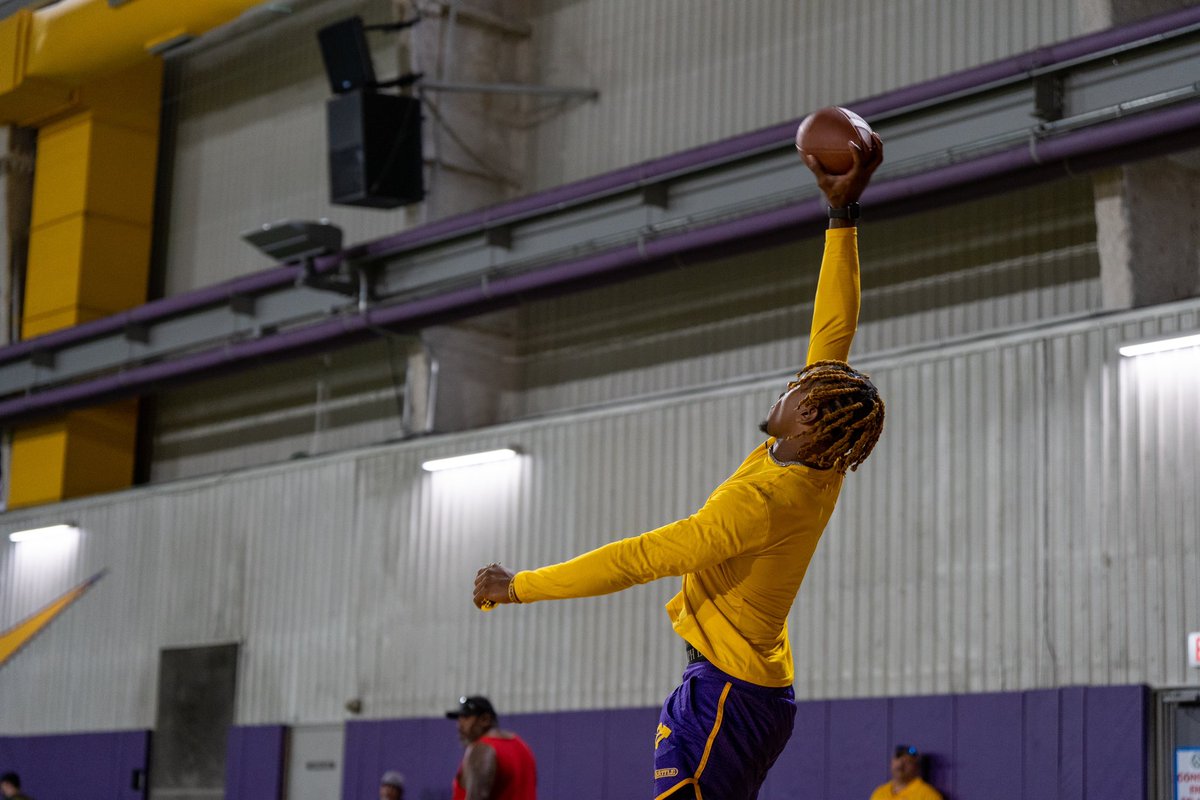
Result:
[[808, 413]]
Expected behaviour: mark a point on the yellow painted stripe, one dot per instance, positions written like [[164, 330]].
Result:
[[713, 735], [677, 787], [20, 634]]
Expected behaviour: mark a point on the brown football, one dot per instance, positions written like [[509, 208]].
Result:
[[827, 134]]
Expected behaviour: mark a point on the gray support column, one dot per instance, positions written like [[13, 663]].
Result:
[[462, 376], [1145, 213], [476, 145], [1146, 232], [476, 373]]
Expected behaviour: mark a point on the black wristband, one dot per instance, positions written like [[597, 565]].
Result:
[[851, 211]]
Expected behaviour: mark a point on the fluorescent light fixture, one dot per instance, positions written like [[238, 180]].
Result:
[[470, 459], [42, 534], [1160, 345]]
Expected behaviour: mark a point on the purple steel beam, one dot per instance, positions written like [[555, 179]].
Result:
[[1152, 132], [610, 183]]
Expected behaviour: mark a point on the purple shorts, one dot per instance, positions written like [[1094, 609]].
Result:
[[717, 736]]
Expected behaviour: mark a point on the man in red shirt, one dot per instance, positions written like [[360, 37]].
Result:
[[497, 764]]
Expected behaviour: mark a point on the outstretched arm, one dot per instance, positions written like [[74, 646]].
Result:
[[835, 310], [731, 520]]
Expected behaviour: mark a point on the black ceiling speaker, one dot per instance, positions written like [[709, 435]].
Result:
[[346, 55], [375, 156]]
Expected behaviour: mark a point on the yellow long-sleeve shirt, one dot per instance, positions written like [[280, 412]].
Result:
[[743, 555]]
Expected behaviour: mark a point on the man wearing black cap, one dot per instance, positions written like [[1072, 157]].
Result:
[[497, 764], [906, 783]]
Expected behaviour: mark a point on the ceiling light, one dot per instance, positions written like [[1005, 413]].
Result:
[[1160, 345], [470, 459], [42, 534]]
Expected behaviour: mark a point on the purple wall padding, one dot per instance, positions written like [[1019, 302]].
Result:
[[1053, 744], [99, 766], [254, 762], [425, 751]]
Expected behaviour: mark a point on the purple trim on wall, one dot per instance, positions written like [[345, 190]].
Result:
[[987, 724], [616, 181], [1072, 744], [927, 723], [425, 751], [1116, 765], [858, 733], [254, 762], [1066, 744], [98, 766]]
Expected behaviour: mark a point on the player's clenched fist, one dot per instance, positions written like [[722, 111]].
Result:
[[493, 584]]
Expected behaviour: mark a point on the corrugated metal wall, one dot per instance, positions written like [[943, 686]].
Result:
[[305, 407], [245, 122], [1029, 520], [246, 117], [682, 73], [993, 264], [978, 267]]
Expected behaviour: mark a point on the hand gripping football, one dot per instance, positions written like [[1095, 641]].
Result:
[[827, 134]]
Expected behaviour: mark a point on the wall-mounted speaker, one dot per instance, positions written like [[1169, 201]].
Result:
[[375, 155], [346, 55]]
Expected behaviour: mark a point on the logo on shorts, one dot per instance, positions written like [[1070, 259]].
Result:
[[661, 735], [669, 772]]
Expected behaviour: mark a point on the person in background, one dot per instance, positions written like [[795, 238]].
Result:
[[391, 786], [906, 782], [10, 787], [497, 764]]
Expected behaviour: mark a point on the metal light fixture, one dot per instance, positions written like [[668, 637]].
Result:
[[291, 239], [43, 534], [1160, 345], [470, 459]]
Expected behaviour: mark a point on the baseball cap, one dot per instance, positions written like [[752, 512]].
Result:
[[907, 750], [471, 706], [392, 778]]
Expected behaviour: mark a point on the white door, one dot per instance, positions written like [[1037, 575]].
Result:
[[315, 762]]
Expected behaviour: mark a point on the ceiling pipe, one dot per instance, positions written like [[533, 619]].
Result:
[[1014, 68], [1145, 136]]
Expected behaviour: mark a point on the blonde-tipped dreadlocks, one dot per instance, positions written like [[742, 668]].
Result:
[[851, 415]]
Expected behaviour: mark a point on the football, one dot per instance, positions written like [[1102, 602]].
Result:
[[827, 133]]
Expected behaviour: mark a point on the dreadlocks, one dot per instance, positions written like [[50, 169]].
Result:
[[851, 415]]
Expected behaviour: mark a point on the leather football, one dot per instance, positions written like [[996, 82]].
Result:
[[827, 134]]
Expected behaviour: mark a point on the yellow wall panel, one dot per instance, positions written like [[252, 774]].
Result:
[[93, 203], [60, 180], [14, 33], [115, 265], [88, 164], [100, 449], [85, 452], [83, 268], [52, 284], [129, 99], [38, 456], [121, 179]]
